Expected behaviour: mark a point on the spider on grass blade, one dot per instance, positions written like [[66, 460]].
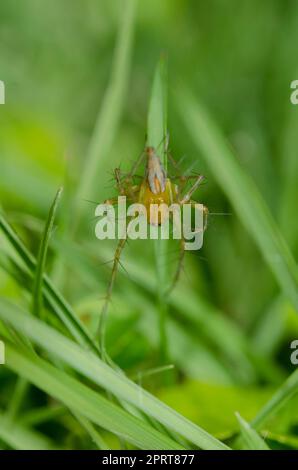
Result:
[[155, 189]]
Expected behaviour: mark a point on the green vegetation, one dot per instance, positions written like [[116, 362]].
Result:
[[207, 366]]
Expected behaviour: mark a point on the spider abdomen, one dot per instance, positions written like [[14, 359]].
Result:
[[156, 204]]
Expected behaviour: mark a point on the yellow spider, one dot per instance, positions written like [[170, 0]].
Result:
[[155, 188]]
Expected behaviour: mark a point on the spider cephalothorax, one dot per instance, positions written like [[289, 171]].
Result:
[[155, 174], [156, 190]]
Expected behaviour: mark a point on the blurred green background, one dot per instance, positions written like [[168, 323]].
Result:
[[229, 327]]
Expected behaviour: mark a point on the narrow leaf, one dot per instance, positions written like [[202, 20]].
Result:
[[20, 437], [250, 437], [42, 255], [157, 138], [280, 397], [157, 113]]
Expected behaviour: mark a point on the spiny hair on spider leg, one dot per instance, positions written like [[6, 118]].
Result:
[[132, 162], [90, 201], [103, 297], [196, 255], [99, 216], [112, 173], [195, 175], [127, 175], [211, 218], [104, 263], [172, 255], [110, 186], [107, 298], [124, 269], [176, 164], [184, 271], [220, 213], [203, 179], [192, 166], [168, 261], [174, 251], [116, 217]]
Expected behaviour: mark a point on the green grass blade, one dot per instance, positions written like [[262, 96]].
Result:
[[111, 108], [93, 433], [100, 373], [41, 415], [85, 401], [20, 437], [284, 393], [59, 305], [243, 194], [157, 113], [42, 255], [281, 439], [250, 437], [15, 402], [157, 138]]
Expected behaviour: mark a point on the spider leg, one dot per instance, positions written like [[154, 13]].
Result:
[[101, 331], [119, 183], [113, 201], [183, 180], [205, 213], [193, 188], [182, 241], [126, 176], [174, 163], [179, 266], [124, 182], [136, 165], [128, 191]]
